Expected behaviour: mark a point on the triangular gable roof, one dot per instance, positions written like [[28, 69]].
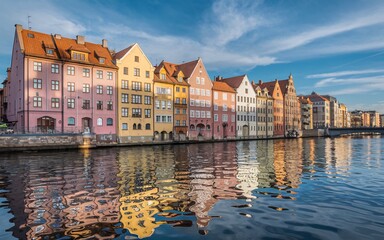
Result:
[[223, 87], [314, 97], [172, 73], [121, 54], [234, 82], [188, 67]]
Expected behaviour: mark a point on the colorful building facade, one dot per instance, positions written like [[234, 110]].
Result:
[[264, 109], [320, 111], [306, 107], [135, 95], [200, 99], [61, 85], [224, 111]]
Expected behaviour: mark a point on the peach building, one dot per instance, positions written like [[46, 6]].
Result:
[[60, 84], [224, 111]]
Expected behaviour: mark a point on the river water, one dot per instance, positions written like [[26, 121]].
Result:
[[278, 189]]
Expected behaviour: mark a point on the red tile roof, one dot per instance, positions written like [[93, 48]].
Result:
[[188, 67], [36, 42], [304, 100], [172, 72], [314, 97], [223, 87], [234, 82]]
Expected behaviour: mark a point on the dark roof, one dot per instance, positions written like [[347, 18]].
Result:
[[234, 82], [188, 67]]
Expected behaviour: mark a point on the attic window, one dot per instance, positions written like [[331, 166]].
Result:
[[31, 35], [163, 76], [180, 79], [49, 51], [102, 60], [78, 56]]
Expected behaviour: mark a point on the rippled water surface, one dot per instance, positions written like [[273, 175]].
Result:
[[281, 189]]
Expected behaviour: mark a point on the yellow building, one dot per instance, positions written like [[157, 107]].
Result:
[[135, 95], [180, 100], [163, 104]]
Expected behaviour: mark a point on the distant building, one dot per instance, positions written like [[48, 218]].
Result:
[[224, 111], [320, 112], [291, 105], [382, 120], [264, 111], [374, 118], [60, 84], [278, 105], [356, 118], [334, 111], [1, 104], [306, 107], [343, 116], [245, 105]]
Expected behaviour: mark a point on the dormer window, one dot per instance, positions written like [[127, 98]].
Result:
[[162, 76], [102, 60], [180, 79], [31, 35], [49, 51], [78, 56]]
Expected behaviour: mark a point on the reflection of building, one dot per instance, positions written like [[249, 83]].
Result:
[[59, 84], [135, 93], [245, 105]]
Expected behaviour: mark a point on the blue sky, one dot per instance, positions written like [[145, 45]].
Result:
[[331, 47]]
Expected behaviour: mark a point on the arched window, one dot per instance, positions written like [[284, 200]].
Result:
[[192, 127], [208, 127], [134, 126], [99, 122], [148, 126], [71, 121], [109, 122], [139, 126]]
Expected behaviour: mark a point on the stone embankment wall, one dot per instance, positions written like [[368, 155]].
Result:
[[313, 133]]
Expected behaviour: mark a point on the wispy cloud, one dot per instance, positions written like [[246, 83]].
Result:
[[345, 73], [366, 81]]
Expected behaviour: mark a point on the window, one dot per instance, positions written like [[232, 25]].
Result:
[[216, 95], [147, 113], [136, 112], [178, 100], [208, 103], [225, 118], [177, 89], [203, 114], [124, 84], [136, 86], [86, 104], [124, 98], [224, 96], [99, 89], [197, 80], [109, 75], [177, 110], [70, 103], [134, 127], [102, 60], [208, 114], [147, 126], [109, 105], [184, 122], [158, 119], [71, 70], [37, 66], [198, 91], [37, 102], [169, 104], [86, 88], [55, 68], [163, 76], [184, 90], [109, 122], [136, 72], [124, 112], [136, 99], [55, 85], [139, 126], [202, 81], [192, 102], [207, 92], [78, 56], [99, 105], [192, 113], [192, 91], [99, 122], [55, 102], [49, 51], [225, 108], [109, 90], [197, 114], [71, 87], [147, 75], [37, 83], [136, 58], [215, 107], [124, 126], [184, 111], [71, 121], [162, 104], [184, 101], [99, 74], [147, 87], [125, 71], [177, 123], [246, 91], [147, 100], [169, 119], [86, 72], [157, 104]]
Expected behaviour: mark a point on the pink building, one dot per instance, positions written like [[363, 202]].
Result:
[[200, 99], [224, 111], [59, 84]]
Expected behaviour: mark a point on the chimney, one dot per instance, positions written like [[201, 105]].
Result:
[[57, 36], [218, 78], [80, 39], [104, 42], [260, 82]]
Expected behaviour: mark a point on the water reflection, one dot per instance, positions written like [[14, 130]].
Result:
[[134, 192]]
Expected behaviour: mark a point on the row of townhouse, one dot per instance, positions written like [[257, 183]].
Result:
[[58, 84]]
